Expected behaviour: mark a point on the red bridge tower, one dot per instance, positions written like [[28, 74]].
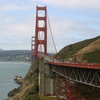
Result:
[[39, 42]]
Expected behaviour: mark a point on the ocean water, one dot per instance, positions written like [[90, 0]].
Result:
[[7, 71]]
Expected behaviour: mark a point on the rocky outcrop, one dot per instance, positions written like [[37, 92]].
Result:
[[19, 79], [14, 92]]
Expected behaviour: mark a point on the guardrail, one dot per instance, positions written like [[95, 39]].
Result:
[[69, 64]]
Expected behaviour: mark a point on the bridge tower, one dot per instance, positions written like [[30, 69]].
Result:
[[39, 42]]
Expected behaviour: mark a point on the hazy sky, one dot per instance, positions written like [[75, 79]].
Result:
[[71, 21]]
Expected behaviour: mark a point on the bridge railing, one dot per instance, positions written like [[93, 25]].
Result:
[[48, 58], [69, 64]]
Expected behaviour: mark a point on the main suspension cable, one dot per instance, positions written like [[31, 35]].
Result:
[[52, 35]]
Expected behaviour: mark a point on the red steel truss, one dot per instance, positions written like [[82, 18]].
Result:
[[69, 88], [66, 91], [39, 45], [81, 84]]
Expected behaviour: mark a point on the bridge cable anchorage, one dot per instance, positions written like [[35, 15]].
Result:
[[52, 35]]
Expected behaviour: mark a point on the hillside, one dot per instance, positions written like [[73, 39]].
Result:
[[90, 53], [1, 49], [85, 51]]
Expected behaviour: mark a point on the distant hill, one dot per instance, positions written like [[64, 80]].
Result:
[[1, 50], [15, 55], [87, 50]]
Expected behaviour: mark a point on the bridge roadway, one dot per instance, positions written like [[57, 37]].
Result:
[[85, 73]]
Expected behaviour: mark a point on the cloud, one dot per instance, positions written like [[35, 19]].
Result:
[[12, 5], [17, 26], [6, 20], [67, 31], [16, 33], [17, 29], [90, 4]]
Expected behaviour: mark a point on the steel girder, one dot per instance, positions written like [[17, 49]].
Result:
[[84, 76], [66, 79]]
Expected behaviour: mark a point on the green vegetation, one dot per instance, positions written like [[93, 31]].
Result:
[[70, 50], [93, 57], [87, 89], [47, 98], [32, 78], [33, 72]]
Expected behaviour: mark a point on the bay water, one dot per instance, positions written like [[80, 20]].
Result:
[[7, 72]]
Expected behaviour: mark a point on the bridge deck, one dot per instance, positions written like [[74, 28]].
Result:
[[78, 65]]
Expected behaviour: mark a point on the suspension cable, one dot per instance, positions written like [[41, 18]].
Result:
[[52, 34]]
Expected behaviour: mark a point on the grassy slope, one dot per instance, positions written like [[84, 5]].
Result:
[[91, 53], [68, 51]]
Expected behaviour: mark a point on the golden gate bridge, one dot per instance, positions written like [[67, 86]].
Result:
[[73, 81]]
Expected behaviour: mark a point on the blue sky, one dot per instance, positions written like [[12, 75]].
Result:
[[71, 21]]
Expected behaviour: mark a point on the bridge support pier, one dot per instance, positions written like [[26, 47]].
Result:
[[46, 82]]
